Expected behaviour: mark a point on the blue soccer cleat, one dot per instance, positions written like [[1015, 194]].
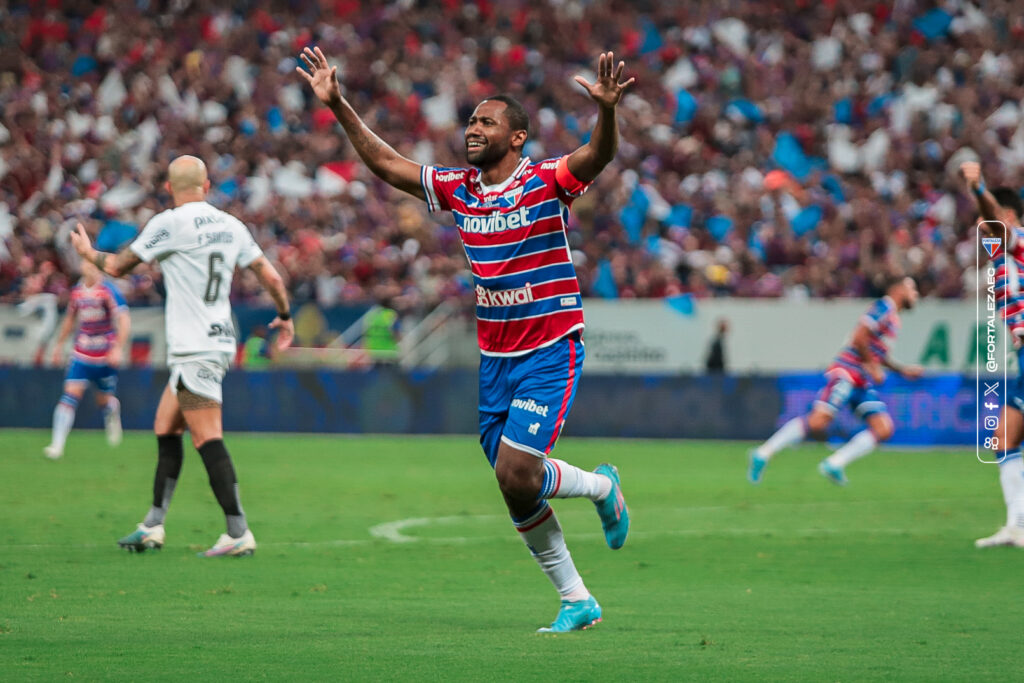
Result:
[[612, 510], [574, 616], [834, 474], [756, 468]]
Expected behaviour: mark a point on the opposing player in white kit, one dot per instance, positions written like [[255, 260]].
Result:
[[198, 247]]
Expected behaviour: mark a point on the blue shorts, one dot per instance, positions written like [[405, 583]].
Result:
[[103, 376], [841, 391], [524, 400]]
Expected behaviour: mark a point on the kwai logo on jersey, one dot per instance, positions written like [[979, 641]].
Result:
[[530, 406], [489, 298], [992, 245]]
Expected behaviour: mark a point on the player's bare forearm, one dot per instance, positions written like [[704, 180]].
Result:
[[379, 157], [124, 329], [893, 365], [987, 204], [587, 162], [988, 207], [116, 265], [272, 282]]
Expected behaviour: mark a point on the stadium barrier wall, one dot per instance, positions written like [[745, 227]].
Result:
[[624, 337], [934, 410]]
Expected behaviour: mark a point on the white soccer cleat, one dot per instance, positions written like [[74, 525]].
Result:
[[226, 546], [112, 423], [53, 453], [144, 538], [1004, 537]]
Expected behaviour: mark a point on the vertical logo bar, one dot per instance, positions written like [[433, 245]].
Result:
[[991, 388]]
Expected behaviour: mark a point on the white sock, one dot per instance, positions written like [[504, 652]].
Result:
[[543, 536], [789, 434], [860, 445], [63, 419], [112, 407], [562, 480], [1011, 477]]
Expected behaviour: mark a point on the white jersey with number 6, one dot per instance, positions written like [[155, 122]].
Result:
[[198, 246]]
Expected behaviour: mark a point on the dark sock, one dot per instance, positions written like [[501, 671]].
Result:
[[224, 484], [168, 466]]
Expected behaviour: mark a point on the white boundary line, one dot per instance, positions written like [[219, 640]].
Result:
[[393, 532]]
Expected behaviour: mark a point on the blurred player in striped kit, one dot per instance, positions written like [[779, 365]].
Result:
[[103, 327], [1002, 205], [512, 214], [851, 381]]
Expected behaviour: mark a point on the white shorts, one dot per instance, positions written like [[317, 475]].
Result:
[[201, 374]]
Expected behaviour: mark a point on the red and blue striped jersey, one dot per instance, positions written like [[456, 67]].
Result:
[[527, 295], [1009, 299], [883, 322], [95, 308]]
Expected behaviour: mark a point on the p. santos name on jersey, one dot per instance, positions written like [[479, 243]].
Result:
[[206, 238], [495, 222]]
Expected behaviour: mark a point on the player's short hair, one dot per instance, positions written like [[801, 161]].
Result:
[[1008, 198], [517, 117], [892, 279]]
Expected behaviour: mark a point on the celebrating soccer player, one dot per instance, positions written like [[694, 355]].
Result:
[[511, 213], [1003, 205], [198, 247], [850, 381], [103, 326]]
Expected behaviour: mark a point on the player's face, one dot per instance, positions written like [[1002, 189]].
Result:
[[910, 293], [488, 135]]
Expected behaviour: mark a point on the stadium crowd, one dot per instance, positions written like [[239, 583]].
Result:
[[769, 149]]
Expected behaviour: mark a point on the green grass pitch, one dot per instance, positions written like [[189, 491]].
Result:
[[391, 558]]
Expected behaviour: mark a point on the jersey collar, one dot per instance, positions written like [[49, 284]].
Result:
[[503, 185]]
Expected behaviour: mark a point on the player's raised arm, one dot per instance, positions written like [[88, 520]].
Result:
[[114, 265], [272, 282], [590, 159], [379, 156], [988, 207]]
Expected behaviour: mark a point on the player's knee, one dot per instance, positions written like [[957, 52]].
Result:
[[882, 429], [516, 480], [817, 423]]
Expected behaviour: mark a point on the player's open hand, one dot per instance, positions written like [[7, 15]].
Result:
[[971, 172], [913, 372], [58, 357], [285, 332], [114, 356], [607, 91], [322, 77], [80, 241]]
